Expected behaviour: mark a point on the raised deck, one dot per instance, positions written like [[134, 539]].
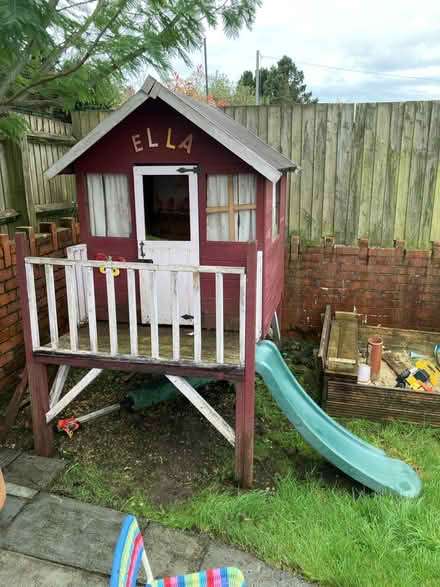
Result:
[[209, 348], [175, 351]]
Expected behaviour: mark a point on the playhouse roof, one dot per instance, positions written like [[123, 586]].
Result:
[[224, 129]]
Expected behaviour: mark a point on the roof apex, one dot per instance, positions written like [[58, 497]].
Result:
[[224, 129]]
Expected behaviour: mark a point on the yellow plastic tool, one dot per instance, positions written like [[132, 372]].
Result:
[[432, 370]]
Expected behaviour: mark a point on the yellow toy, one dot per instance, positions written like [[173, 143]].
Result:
[[430, 368]]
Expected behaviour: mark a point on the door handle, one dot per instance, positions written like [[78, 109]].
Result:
[[141, 246]]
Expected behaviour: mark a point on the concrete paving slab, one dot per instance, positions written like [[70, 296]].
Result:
[[65, 531], [12, 506], [7, 455], [24, 571], [32, 471], [255, 571], [172, 552], [20, 491]]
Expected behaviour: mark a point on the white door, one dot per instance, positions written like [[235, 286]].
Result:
[[167, 224]]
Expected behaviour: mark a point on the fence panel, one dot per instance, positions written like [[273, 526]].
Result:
[[26, 196], [369, 170]]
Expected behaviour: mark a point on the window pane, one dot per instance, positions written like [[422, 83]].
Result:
[[109, 205], [167, 208], [217, 196], [231, 224], [95, 191], [276, 210], [245, 220]]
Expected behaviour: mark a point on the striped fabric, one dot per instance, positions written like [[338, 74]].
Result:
[[128, 556], [228, 577]]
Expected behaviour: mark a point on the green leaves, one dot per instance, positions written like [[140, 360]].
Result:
[[281, 84], [12, 126], [61, 53]]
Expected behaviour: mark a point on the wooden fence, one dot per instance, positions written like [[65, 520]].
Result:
[[26, 197], [368, 170]]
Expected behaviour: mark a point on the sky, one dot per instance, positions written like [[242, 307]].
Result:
[[396, 37]]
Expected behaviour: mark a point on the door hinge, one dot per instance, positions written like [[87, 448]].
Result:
[[187, 317], [194, 169]]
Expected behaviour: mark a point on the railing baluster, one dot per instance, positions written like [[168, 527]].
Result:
[[154, 321], [175, 315], [111, 306], [197, 318], [219, 327], [51, 306], [131, 286], [72, 307], [242, 317], [33, 311], [91, 309]]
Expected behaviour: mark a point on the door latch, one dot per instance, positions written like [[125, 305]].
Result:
[[141, 246], [187, 317]]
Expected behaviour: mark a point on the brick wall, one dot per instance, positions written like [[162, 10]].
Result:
[[389, 286], [52, 242]]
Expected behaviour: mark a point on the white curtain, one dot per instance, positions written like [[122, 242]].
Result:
[[245, 192], [109, 205], [217, 222], [245, 220]]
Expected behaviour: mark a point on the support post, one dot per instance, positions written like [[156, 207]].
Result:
[[245, 396], [37, 372]]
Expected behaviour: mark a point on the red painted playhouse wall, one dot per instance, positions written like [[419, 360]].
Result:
[[115, 154], [273, 266]]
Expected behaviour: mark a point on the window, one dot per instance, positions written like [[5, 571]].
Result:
[[109, 205], [166, 204], [231, 207], [276, 199]]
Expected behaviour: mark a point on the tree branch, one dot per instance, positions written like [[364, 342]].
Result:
[[12, 76], [75, 5], [66, 72], [69, 41]]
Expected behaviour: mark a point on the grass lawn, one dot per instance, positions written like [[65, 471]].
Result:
[[303, 515]]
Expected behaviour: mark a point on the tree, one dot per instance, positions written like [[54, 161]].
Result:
[[227, 93], [61, 52], [281, 84], [222, 91]]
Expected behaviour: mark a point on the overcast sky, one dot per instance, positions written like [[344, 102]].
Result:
[[397, 37]]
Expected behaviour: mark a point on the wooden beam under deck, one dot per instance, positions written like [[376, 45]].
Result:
[[140, 365]]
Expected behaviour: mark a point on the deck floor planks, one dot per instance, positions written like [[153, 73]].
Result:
[[231, 342]]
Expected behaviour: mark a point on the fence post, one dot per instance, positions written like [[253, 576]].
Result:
[[29, 195]]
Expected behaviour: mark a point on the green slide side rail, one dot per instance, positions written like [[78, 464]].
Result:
[[358, 459]]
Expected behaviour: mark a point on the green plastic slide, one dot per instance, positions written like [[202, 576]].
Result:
[[358, 459]]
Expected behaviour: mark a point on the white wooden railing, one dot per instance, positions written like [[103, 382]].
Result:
[[79, 274]]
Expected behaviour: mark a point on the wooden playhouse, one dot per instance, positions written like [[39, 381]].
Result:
[[181, 261]]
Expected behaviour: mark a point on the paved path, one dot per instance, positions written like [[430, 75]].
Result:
[[55, 541]]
